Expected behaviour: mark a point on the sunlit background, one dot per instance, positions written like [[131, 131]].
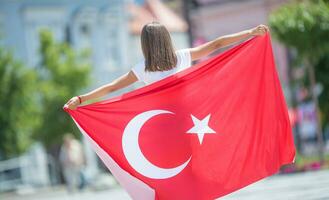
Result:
[[51, 50]]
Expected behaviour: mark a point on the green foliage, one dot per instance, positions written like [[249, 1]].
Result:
[[63, 72], [304, 26], [18, 110]]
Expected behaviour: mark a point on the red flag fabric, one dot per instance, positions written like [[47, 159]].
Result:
[[199, 134]]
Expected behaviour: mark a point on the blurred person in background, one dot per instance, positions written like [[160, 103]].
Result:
[[72, 160], [161, 60]]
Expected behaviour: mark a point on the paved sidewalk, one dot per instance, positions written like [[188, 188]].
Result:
[[302, 186]]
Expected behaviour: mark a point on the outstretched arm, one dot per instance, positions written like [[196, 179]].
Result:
[[121, 82], [207, 48]]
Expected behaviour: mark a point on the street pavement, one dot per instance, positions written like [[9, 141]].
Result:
[[301, 186]]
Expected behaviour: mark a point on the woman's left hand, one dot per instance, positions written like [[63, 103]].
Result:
[[72, 103], [259, 30]]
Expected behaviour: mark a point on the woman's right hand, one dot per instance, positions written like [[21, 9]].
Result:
[[72, 103]]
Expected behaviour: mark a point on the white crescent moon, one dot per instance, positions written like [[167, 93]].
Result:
[[134, 154]]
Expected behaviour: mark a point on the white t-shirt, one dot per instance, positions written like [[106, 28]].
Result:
[[183, 62]]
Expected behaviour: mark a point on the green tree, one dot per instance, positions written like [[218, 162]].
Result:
[[62, 74], [18, 110], [304, 26]]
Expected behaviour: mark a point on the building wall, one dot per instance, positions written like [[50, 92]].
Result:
[[99, 25]]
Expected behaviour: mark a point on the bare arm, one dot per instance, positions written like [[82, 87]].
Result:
[[121, 82], [209, 47]]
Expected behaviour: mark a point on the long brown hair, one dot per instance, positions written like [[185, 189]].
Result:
[[157, 48]]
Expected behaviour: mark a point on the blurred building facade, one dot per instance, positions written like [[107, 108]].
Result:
[[98, 25]]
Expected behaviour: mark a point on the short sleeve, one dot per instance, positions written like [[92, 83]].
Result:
[[184, 57], [139, 70]]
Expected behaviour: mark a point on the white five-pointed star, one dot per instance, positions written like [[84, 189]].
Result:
[[200, 127]]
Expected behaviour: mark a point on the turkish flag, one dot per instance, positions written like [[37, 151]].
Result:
[[199, 134]]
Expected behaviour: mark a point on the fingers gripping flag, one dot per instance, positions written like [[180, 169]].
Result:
[[199, 134]]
